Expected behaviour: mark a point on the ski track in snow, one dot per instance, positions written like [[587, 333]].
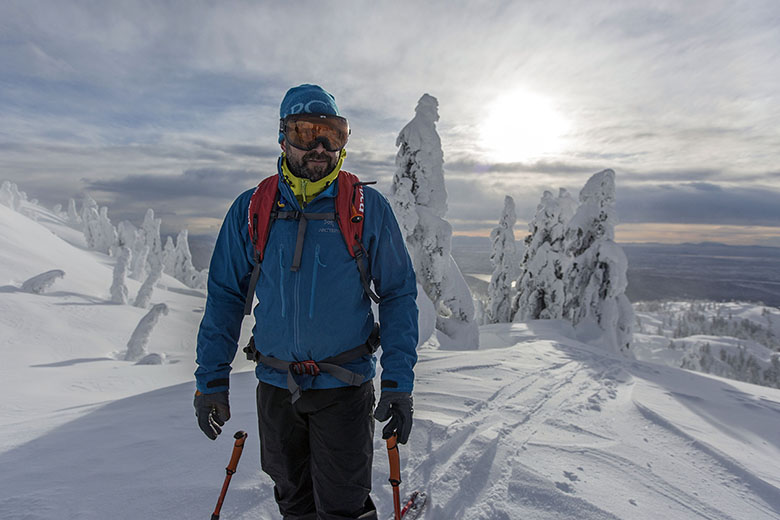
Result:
[[493, 460]]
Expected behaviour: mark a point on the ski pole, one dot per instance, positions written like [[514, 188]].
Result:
[[395, 472], [238, 448]]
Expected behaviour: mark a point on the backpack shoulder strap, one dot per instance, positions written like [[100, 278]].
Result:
[[261, 205], [350, 212], [259, 215]]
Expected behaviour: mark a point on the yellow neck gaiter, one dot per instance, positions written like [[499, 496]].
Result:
[[304, 189]]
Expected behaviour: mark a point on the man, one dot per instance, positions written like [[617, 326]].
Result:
[[314, 331]]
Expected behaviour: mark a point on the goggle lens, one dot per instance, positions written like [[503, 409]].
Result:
[[305, 131]]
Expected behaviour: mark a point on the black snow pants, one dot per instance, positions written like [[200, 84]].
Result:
[[319, 451]]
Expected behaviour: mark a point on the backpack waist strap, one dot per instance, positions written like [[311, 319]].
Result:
[[331, 365]]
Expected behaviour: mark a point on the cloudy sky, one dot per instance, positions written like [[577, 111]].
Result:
[[174, 104]]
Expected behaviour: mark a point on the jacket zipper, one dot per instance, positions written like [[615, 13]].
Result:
[[281, 280], [317, 264]]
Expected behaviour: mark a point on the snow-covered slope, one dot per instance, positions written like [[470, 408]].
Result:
[[533, 425]]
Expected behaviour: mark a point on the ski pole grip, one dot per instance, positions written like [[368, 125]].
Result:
[[238, 447], [395, 460]]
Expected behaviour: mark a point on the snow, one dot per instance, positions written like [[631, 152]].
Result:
[[533, 424]]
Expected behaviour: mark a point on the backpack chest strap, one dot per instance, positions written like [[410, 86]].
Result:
[[303, 219]]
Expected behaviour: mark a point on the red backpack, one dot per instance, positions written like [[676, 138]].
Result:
[[264, 209]]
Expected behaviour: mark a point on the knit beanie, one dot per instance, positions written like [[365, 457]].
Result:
[[307, 99]]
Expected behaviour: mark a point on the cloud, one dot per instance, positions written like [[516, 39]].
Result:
[[699, 203], [140, 97]]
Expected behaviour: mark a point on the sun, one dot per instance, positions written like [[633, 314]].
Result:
[[522, 125]]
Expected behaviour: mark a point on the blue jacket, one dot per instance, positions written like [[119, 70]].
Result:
[[318, 311]]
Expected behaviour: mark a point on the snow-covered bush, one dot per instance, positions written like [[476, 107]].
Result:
[[540, 286], [118, 286], [419, 200], [144, 296], [40, 283], [136, 347], [596, 280], [503, 256]]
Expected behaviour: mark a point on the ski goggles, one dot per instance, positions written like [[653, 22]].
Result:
[[305, 131]]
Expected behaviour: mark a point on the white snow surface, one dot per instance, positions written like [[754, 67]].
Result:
[[532, 425]]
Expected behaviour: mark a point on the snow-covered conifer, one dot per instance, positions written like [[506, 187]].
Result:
[[118, 286], [40, 283], [540, 285], [138, 264], [73, 215], [169, 256], [419, 199], [183, 270], [182, 264], [90, 221], [126, 234], [136, 347], [144, 296], [11, 196], [596, 279], [106, 232], [6, 195], [504, 259], [151, 236]]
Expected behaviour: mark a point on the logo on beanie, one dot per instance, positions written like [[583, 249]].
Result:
[[311, 107]]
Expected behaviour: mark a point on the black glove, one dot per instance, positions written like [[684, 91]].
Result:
[[212, 411], [396, 406]]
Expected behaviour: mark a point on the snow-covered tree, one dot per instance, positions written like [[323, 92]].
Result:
[[144, 296], [540, 285], [11, 196], [596, 280], [40, 283], [169, 256], [118, 286], [126, 234], [419, 200], [90, 221], [503, 256], [107, 232], [73, 215], [138, 265], [136, 347], [183, 270], [758, 366], [6, 195], [151, 237]]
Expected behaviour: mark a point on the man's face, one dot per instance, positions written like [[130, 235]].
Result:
[[312, 164]]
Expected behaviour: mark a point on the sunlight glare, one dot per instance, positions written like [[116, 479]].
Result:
[[522, 125]]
